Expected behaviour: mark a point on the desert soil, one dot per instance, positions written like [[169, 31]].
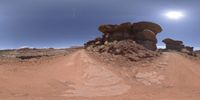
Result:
[[78, 76]]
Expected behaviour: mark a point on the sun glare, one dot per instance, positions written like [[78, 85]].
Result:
[[175, 15]]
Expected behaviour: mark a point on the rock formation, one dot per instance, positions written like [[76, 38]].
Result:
[[177, 45], [173, 44], [133, 41], [143, 33]]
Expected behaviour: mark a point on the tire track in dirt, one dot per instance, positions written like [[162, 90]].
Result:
[[96, 80]]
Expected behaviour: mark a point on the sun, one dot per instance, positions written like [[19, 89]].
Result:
[[175, 15]]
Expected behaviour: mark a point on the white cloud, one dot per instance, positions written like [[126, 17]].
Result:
[[24, 47], [161, 47], [196, 48]]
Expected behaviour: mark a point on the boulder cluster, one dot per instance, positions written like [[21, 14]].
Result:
[[131, 40], [176, 45]]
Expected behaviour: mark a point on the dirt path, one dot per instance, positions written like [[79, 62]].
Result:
[[76, 75], [95, 79], [79, 77], [181, 78]]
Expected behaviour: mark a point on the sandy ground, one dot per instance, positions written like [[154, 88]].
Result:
[[79, 77]]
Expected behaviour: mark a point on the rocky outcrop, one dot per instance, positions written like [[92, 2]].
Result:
[[133, 41], [191, 49], [140, 26], [173, 44], [177, 45], [143, 33]]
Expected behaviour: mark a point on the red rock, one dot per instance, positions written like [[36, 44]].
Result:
[[141, 26], [147, 35], [177, 45], [143, 33]]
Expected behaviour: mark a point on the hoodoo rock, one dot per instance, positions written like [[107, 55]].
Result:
[[173, 44], [177, 45], [140, 26], [131, 40], [143, 33]]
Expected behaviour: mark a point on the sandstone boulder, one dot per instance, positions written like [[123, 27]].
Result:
[[173, 44], [140, 26], [148, 44], [124, 27], [171, 41], [108, 28], [146, 35]]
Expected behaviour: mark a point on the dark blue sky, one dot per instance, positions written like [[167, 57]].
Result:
[[64, 23]]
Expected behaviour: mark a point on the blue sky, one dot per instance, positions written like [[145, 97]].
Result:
[[65, 23]]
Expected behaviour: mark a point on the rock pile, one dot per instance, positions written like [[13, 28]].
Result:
[[133, 41], [125, 48], [177, 45]]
